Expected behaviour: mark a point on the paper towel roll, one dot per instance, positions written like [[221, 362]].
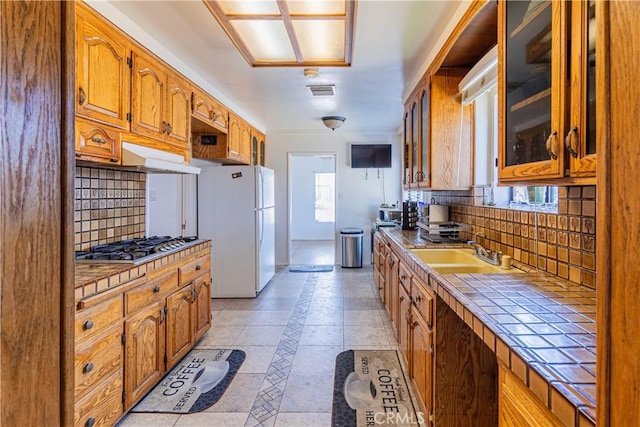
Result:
[[438, 213]]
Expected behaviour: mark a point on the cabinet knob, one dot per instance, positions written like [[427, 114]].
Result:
[[198, 267], [90, 422], [169, 128], [87, 368], [572, 135], [163, 128], [156, 289], [418, 298], [82, 96], [401, 298], [550, 149], [87, 325]]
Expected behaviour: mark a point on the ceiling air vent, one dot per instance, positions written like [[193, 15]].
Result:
[[322, 90]]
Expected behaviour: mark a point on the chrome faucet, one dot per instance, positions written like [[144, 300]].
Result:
[[484, 254]]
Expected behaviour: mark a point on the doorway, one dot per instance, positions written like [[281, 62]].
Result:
[[312, 208]]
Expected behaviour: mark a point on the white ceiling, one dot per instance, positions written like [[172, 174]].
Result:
[[391, 43]]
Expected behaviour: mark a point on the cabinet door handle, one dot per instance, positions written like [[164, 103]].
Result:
[[169, 128], [163, 314], [414, 324], [87, 325], [163, 128], [98, 140], [156, 289], [418, 298], [90, 422], [549, 145], [87, 368], [571, 135], [401, 298], [82, 96]]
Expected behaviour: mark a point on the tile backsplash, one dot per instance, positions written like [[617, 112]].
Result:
[[109, 206], [561, 244]]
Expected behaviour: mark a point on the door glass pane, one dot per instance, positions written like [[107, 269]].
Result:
[[414, 139], [254, 151], [528, 80], [424, 143], [407, 136], [591, 78]]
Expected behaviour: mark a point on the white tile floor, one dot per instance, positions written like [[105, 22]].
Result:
[[329, 312], [313, 252]]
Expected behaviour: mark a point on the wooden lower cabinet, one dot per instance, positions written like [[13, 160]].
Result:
[[201, 306], [422, 359], [179, 325], [127, 341], [518, 406], [144, 351], [101, 407], [404, 311]]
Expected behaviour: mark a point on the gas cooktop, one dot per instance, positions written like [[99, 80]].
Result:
[[134, 251]]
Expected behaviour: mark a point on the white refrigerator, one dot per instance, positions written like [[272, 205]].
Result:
[[236, 211]]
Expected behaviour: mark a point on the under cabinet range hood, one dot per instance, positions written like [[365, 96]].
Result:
[[147, 159]]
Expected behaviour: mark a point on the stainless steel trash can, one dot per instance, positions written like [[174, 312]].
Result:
[[351, 243]]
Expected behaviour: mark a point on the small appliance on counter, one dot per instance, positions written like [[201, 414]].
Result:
[[441, 232], [389, 213], [409, 215]]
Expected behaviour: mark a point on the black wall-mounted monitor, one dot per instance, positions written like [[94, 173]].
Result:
[[371, 155]]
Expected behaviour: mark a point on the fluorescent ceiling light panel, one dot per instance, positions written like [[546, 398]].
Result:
[[267, 40], [320, 40], [289, 32]]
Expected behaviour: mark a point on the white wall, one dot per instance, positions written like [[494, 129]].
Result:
[[303, 223], [360, 191], [171, 202]]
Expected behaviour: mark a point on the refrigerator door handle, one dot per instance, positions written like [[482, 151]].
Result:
[[261, 227]]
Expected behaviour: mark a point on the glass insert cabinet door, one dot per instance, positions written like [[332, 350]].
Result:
[[533, 69]]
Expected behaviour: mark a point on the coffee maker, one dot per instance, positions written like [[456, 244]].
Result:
[[409, 215]]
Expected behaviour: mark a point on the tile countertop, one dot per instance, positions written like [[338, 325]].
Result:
[[541, 327], [92, 279]]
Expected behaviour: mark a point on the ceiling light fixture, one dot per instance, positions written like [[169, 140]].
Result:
[[333, 122], [276, 33]]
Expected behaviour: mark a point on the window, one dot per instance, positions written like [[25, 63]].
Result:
[[325, 197], [535, 198]]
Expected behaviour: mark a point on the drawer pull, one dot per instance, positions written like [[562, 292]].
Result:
[[90, 422], [113, 160], [98, 140], [87, 325], [156, 289], [87, 368], [198, 267]]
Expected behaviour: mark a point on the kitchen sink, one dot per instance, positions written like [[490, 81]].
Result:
[[458, 261]]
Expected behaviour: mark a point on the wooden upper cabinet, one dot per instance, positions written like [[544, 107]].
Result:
[[245, 142], [547, 115], [239, 140], [178, 110], [160, 102], [211, 114], [233, 140], [149, 95], [438, 135], [102, 72], [580, 137], [451, 136]]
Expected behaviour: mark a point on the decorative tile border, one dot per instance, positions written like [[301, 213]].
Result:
[[91, 279], [267, 402]]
